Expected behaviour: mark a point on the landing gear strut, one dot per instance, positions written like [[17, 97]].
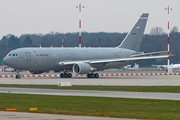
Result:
[[18, 76], [66, 75], [93, 75]]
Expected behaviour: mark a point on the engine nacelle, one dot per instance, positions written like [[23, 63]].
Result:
[[36, 72], [82, 68]]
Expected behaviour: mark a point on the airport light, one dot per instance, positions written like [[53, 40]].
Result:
[[168, 47], [80, 23]]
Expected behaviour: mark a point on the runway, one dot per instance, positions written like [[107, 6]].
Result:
[[39, 116], [168, 80], [152, 80], [113, 94]]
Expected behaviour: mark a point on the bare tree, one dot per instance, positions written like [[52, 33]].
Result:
[[174, 29], [157, 31]]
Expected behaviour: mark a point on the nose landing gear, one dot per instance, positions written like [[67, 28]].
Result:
[[18, 76]]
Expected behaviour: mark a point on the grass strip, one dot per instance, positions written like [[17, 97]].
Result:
[[169, 89], [91, 106]]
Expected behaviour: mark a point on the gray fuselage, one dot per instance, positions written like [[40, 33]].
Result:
[[49, 58]]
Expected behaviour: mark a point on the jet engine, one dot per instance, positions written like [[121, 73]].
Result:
[[36, 72], [82, 68]]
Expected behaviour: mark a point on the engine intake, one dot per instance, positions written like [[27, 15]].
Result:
[[82, 68]]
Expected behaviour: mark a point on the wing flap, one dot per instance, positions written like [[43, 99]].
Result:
[[128, 59], [150, 53]]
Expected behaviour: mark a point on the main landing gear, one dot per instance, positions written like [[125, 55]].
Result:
[[18, 76], [93, 75], [66, 75]]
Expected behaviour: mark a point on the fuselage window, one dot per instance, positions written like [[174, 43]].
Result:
[[13, 55]]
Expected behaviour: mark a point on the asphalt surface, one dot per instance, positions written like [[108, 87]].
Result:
[[37, 116], [113, 94], [168, 80]]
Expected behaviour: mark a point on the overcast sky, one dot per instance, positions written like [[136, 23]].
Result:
[[44, 16]]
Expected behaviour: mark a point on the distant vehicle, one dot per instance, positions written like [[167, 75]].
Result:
[[130, 67], [164, 67], [7, 69]]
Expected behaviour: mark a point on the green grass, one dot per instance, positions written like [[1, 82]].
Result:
[[91, 106], [170, 89]]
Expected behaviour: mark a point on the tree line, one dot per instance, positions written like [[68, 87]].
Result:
[[156, 40]]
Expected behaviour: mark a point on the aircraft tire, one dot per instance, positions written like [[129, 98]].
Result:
[[96, 75], [69, 75], [92, 75], [62, 75], [66, 75], [18, 76], [88, 75]]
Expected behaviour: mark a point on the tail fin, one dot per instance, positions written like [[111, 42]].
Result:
[[134, 37]]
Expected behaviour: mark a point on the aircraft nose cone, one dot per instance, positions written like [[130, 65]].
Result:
[[5, 60]]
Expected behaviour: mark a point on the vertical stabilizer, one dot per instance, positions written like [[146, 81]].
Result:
[[134, 37]]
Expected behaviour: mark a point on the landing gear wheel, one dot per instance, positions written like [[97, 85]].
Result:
[[93, 75], [96, 75], [88, 75], [18, 76], [66, 75], [69, 75], [62, 75]]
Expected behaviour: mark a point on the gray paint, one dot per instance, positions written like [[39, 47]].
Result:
[[48, 58]]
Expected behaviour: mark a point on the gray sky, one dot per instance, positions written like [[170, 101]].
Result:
[[44, 16]]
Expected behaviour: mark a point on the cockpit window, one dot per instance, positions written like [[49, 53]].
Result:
[[12, 54]]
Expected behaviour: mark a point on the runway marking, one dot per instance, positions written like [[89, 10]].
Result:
[[33, 109], [11, 109]]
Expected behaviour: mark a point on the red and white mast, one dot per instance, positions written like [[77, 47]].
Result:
[[40, 44], [168, 46], [80, 23], [62, 41]]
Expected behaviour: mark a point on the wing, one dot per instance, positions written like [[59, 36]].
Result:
[[150, 53], [102, 61]]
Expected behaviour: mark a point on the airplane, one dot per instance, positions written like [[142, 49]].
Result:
[[130, 67], [164, 67], [82, 60]]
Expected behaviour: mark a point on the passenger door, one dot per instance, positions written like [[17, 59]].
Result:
[[28, 56]]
